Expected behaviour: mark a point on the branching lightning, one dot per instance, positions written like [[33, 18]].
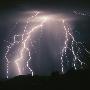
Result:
[[76, 58], [81, 12], [23, 46], [26, 36]]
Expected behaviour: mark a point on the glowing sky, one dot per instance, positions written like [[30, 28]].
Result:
[[41, 42]]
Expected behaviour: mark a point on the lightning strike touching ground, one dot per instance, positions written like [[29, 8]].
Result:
[[76, 54], [23, 46], [69, 45]]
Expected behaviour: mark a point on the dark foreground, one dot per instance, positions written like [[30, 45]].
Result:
[[75, 80]]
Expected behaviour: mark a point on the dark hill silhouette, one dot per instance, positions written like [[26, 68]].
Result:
[[72, 79]]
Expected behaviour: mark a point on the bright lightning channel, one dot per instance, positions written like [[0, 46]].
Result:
[[76, 58], [24, 45], [68, 36]]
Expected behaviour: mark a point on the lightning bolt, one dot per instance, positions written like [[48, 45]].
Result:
[[81, 12], [26, 37], [24, 46], [76, 56]]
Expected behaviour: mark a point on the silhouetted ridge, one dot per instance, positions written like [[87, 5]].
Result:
[[71, 79]]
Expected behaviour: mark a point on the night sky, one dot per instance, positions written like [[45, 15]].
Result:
[[12, 15]]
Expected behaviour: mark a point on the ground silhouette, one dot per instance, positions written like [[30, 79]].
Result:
[[71, 80]]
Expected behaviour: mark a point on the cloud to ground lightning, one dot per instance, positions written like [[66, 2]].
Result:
[[23, 49]]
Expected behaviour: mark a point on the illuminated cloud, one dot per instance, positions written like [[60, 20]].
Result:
[[22, 51]]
